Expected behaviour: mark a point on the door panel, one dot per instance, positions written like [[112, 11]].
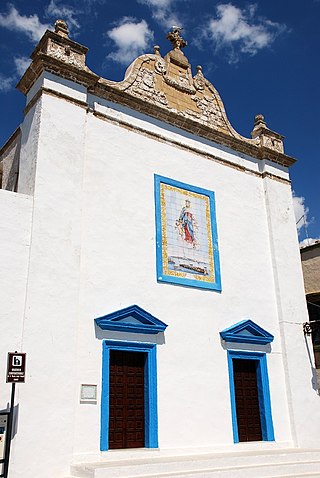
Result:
[[247, 400], [126, 400]]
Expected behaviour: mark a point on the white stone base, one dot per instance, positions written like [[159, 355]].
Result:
[[271, 463]]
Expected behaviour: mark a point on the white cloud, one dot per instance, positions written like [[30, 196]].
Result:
[[300, 211], [131, 39], [58, 10], [30, 25], [161, 11], [21, 64], [6, 83], [71, 10], [157, 3], [241, 31]]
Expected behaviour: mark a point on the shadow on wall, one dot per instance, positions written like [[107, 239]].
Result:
[[100, 334]]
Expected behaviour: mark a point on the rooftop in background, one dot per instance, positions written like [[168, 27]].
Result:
[[313, 246]]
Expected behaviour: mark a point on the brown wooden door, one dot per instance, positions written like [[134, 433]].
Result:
[[126, 401], [247, 400]]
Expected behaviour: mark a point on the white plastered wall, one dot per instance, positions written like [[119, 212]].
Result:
[[297, 349], [15, 229], [46, 417], [118, 269], [15, 237], [93, 252]]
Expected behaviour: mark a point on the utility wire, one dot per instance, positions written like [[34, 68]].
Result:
[[311, 303]]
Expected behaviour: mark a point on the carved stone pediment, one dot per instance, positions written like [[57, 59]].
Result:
[[265, 136], [58, 45], [144, 86], [162, 87]]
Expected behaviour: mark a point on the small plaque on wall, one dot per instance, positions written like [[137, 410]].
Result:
[[186, 232], [88, 393]]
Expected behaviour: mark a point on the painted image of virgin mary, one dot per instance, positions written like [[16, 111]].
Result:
[[187, 225]]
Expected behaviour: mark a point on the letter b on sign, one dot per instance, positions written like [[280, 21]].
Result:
[[17, 361]]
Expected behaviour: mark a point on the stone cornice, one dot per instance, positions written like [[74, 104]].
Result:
[[108, 93], [65, 70], [127, 124], [159, 87]]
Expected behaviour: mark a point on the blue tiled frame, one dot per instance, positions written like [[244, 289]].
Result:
[[161, 276], [151, 408], [263, 393]]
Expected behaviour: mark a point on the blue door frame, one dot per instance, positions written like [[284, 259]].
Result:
[[263, 393], [150, 380]]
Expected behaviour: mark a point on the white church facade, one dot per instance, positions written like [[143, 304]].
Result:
[[150, 271]]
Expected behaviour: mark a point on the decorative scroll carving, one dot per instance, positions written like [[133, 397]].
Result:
[[271, 143], [267, 142], [144, 86], [278, 146], [160, 66], [184, 79], [194, 100], [147, 80], [199, 81], [180, 86], [66, 55], [265, 136], [209, 111]]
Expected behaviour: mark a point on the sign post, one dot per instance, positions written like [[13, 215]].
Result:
[[16, 369]]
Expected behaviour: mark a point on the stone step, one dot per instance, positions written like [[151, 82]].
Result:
[[267, 464], [302, 475]]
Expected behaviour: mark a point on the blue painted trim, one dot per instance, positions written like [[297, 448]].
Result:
[[237, 333], [151, 406], [161, 277], [147, 323], [233, 400], [263, 393]]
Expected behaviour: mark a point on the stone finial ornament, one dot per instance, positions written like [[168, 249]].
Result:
[[266, 137], [61, 28], [199, 80], [259, 126], [176, 39], [259, 121]]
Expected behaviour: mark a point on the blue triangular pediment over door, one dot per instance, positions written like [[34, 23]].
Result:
[[247, 332], [131, 319]]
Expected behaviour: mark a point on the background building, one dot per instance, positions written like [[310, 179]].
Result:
[[310, 259], [151, 273]]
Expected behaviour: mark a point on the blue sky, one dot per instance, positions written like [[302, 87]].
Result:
[[262, 57]]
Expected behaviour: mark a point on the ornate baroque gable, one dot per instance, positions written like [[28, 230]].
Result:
[[162, 87]]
